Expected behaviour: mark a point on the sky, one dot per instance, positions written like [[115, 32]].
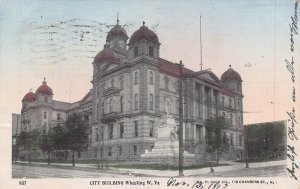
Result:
[[58, 40]]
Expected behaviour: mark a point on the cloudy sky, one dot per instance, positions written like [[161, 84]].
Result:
[[58, 39]]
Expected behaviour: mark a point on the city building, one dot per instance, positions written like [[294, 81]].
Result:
[[132, 87]]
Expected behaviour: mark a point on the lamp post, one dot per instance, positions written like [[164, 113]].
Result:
[[180, 65]]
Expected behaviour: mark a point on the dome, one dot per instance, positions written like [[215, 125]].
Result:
[[44, 89], [143, 33], [117, 30], [106, 54], [231, 75], [29, 97]]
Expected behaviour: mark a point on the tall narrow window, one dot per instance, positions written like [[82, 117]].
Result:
[[240, 140], [136, 77], [151, 102], [120, 150], [136, 51], [223, 99], [166, 80], [121, 129], [45, 115], [151, 77], [136, 102], [151, 133], [150, 51], [109, 151], [231, 139], [111, 131], [58, 116], [112, 83], [101, 134], [136, 129], [121, 104], [97, 134], [122, 82], [135, 150], [110, 105], [230, 103], [231, 119]]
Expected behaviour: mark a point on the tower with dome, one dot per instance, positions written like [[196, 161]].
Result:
[[132, 86]]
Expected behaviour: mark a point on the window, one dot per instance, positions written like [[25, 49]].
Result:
[[121, 82], [240, 121], [240, 140], [136, 129], [45, 99], [135, 150], [136, 77], [151, 77], [230, 103], [110, 105], [96, 152], [86, 118], [112, 83], [231, 139], [136, 51], [58, 116], [150, 51], [231, 119], [151, 101], [45, 115], [97, 134], [166, 80], [223, 99], [136, 102], [121, 104], [121, 130], [120, 150], [109, 151], [111, 131], [102, 131], [78, 154], [151, 133]]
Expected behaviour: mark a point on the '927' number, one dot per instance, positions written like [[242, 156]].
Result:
[[22, 182]]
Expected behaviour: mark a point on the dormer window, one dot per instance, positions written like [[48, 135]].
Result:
[[150, 51], [136, 51]]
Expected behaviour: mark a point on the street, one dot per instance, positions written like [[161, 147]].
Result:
[[25, 171]]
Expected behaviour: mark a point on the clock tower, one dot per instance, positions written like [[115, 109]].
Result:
[[117, 39]]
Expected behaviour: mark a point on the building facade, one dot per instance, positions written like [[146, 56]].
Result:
[[132, 87]]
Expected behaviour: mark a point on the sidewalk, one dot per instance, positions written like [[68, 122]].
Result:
[[167, 173]]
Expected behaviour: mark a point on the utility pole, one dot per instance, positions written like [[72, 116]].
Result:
[[180, 121]]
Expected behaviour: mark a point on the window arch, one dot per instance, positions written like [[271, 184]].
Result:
[[151, 77], [151, 102], [136, 102]]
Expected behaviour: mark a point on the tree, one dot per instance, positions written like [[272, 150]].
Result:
[[47, 142], [30, 142], [220, 143], [76, 134]]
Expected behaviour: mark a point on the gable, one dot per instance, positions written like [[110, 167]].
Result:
[[208, 75]]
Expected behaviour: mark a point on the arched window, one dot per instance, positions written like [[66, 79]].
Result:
[[136, 51], [151, 102], [122, 82], [136, 102], [58, 116], [166, 80], [151, 77]]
